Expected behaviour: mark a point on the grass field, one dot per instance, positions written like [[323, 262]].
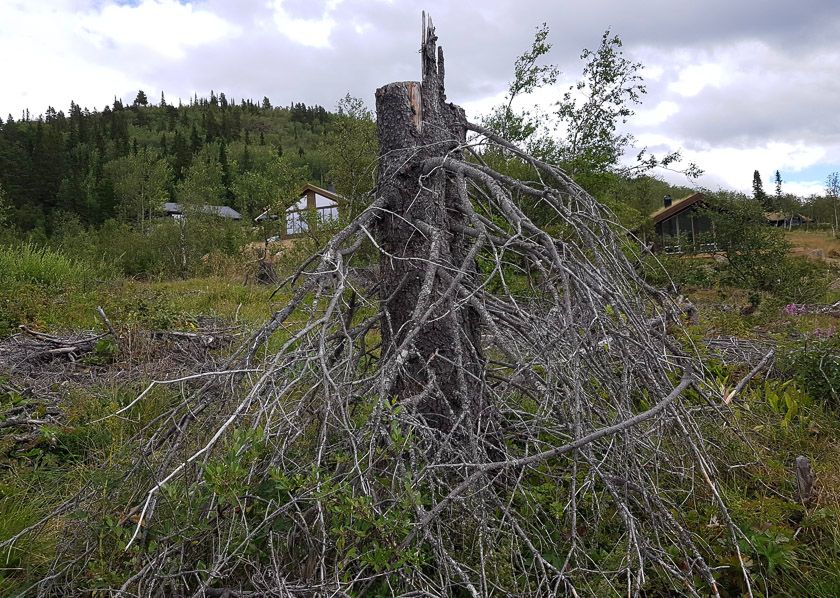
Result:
[[820, 243]]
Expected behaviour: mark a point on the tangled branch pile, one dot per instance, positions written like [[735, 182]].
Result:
[[503, 412]]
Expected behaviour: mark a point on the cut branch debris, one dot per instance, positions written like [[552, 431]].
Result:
[[480, 420]]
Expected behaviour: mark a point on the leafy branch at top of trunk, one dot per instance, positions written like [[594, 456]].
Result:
[[351, 148], [597, 104]]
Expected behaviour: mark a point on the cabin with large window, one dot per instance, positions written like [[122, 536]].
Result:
[[315, 207], [681, 226]]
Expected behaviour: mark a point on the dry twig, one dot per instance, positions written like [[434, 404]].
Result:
[[492, 464]]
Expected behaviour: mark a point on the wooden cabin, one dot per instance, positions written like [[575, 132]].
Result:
[[315, 206], [786, 219], [681, 226]]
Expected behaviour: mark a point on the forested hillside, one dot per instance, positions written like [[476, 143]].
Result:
[[122, 161]]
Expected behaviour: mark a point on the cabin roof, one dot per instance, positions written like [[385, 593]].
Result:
[[320, 191], [676, 207], [781, 216], [222, 211], [268, 213]]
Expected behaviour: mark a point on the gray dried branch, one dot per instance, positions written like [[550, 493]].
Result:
[[490, 362]]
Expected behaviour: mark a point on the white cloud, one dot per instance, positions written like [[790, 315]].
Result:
[[310, 32], [653, 72], [694, 78], [68, 50], [804, 188], [43, 66], [656, 115], [166, 27], [362, 28], [735, 166]]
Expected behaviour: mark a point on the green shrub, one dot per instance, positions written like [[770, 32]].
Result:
[[800, 280], [683, 271], [30, 264], [815, 365], [32, 278], [168, 248], [757, 256]]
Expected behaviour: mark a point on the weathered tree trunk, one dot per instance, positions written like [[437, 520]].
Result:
[[421, 253]]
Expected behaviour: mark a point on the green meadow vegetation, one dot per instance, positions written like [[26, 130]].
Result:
[[791, 549]]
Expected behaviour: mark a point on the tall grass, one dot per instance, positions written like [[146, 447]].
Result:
[[30, 264]]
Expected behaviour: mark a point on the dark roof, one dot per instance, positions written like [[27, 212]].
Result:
[[221, 211], [676, 207], [224, 212], [320, 191]]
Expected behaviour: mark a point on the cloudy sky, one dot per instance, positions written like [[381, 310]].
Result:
[[735, 85]]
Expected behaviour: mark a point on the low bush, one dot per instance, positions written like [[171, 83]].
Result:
[[32, 278], [29, 264], [683, 271], [815, 365], [167, 248]]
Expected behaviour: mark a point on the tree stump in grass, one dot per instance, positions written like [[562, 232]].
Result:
[[443, 364]]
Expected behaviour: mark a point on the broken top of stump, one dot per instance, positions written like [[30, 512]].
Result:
[[416, 125], [425, 100]]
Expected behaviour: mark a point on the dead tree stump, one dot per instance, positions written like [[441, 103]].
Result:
[[805, 479], [441, 363]]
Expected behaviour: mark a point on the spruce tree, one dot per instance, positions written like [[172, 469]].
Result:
[[758, 192], [182, 155], [247, 163], [195, 140], [5, 209], [211, 127], [223, 163]]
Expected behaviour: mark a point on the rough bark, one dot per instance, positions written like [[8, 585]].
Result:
[[805, 479], [422, 254]]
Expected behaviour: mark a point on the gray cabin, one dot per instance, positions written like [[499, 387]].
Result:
[[176, 210]]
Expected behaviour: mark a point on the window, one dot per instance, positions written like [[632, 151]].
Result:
[[313, 209], [296, 223], [327, 214]]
